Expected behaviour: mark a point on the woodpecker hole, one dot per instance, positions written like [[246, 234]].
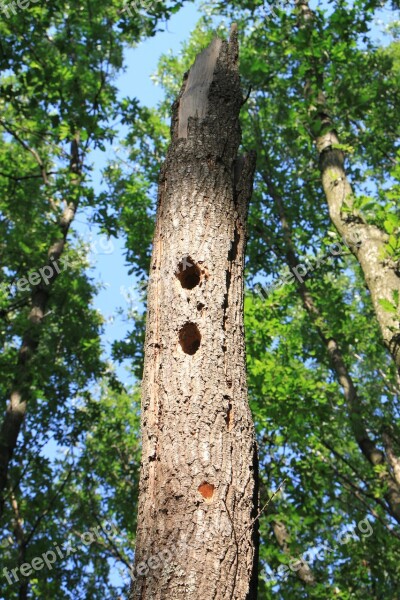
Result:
[[188, 273], [207, 491], [189, 338]]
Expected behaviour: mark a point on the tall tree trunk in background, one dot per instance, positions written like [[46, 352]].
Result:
[[198, 490], [367, 242], [376, 458], [21, 389]]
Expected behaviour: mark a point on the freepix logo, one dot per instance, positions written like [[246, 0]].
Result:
[[43, 275], [48, 272], [49, 558], [12, 7], [307, 266], [364, 528]]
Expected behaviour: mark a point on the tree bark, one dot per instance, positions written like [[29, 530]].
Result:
[[197, 533]]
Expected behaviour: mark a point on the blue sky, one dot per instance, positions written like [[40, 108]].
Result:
[[109, 267], [141, 62]]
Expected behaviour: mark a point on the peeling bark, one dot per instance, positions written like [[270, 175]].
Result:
[[198, 483]]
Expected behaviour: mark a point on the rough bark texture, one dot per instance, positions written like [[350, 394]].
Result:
[[16, 409], [198, 492], [379, 270]]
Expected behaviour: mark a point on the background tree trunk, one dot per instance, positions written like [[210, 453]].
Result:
[[16, 409], [368, 243], [198, 495]]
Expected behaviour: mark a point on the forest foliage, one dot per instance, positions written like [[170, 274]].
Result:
[[333, 454]]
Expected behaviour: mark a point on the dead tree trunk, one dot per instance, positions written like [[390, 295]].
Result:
[[198, 495]]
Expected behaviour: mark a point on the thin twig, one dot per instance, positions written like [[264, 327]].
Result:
[[278, 489]]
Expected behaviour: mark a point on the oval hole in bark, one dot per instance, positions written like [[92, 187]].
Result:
[[189, 338], [188, 273], [207, 491]]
